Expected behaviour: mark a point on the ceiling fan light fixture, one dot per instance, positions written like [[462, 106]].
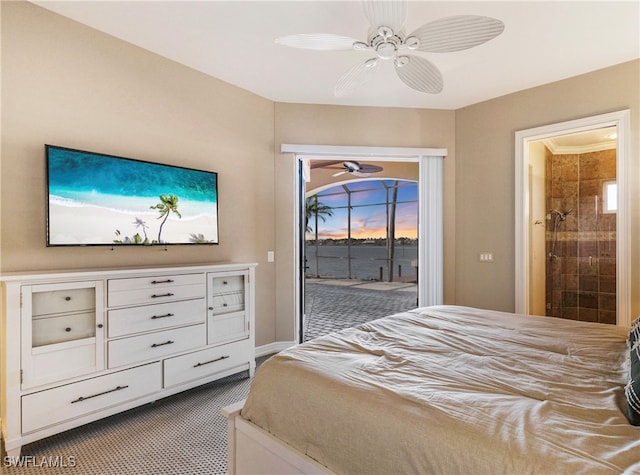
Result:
[[402, 61], [361, 46], [385, 32], [370, 63], [386, 36], [412, 43], [386, 51]]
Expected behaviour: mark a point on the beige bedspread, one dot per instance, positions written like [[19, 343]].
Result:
[[446, 390]]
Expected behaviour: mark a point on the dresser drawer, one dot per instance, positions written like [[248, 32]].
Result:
[[62, 301], [223, 285], [148, 290], [201, 364], [227, 303], [57, 329], [126, 321], [156, 345], [154, 282], [50, 407]]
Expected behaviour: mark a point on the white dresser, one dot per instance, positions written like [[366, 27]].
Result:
[[79, 346]]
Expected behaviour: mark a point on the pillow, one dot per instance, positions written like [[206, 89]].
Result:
[[632, 390], [634, 332]]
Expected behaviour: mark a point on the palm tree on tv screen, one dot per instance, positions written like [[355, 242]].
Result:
[[168, 204]]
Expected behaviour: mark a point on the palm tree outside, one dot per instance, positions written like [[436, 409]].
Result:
[[315, 208], [319, 211]]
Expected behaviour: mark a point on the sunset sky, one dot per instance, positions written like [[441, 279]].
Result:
[[368, 216]]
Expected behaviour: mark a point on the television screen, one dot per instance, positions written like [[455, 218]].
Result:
[[97, 199]]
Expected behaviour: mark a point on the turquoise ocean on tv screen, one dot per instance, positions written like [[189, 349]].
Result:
[[77, 178]]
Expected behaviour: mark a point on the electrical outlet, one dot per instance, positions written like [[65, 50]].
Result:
[[486, 256], [270, 256]]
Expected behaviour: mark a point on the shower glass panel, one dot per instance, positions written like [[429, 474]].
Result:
[[580, 236]]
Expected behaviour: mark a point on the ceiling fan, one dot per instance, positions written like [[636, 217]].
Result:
[[387, 40], [353, 168]]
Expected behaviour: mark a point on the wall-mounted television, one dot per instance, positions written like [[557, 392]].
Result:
[[94, 199]]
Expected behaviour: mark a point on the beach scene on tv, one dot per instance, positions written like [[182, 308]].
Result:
[[99, 199]]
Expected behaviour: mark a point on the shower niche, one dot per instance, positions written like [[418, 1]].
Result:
[[580, 234]]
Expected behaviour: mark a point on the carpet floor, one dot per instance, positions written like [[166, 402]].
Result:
[[181, 434]]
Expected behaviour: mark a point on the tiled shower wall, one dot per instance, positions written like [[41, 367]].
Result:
[[581, 280]]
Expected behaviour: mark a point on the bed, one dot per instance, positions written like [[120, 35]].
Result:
[[443, 390]]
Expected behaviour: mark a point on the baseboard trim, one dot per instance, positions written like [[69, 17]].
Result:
[[272, 348]]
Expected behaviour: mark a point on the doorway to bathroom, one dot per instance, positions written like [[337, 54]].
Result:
[[573, 249], [573, 205]]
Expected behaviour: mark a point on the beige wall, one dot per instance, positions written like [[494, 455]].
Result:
[[365, 126], [485, 174], [66, 84], [69, 85]]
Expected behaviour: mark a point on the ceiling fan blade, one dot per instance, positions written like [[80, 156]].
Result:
[[391, 14], [317, 41], [369, 169], [324, 163], [456, 33], [419, 74], [356, 76]]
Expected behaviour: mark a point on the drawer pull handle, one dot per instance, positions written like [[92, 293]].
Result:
[[68, 329], [225, 282], [168, 281], [168, 342], [162, 316], [67, 298], [212, 361], [82, 398], [155, 296]]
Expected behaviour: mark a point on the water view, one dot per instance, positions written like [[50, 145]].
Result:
[[331, 261]]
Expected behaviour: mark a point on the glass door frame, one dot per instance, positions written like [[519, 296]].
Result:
[[430, 211]]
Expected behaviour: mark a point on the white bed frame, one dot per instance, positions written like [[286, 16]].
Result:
[[253, 450]]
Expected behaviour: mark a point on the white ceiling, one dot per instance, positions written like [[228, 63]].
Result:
[[234, 41], [583, 142]]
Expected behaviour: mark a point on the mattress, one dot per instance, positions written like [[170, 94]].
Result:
[[445, 389]]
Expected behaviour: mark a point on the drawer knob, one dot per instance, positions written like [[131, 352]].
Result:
[[100, 325], [67, 298], [210, 308], [68, 329], [83, 398], [225, 304], [224, 282], [168, 342], [168, 281]]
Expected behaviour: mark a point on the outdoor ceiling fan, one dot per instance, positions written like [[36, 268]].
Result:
[[387, 40], [353, 168]]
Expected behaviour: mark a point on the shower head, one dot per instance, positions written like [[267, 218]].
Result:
[[562, 215]]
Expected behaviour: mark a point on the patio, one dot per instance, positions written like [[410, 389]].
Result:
[[332, 305]]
